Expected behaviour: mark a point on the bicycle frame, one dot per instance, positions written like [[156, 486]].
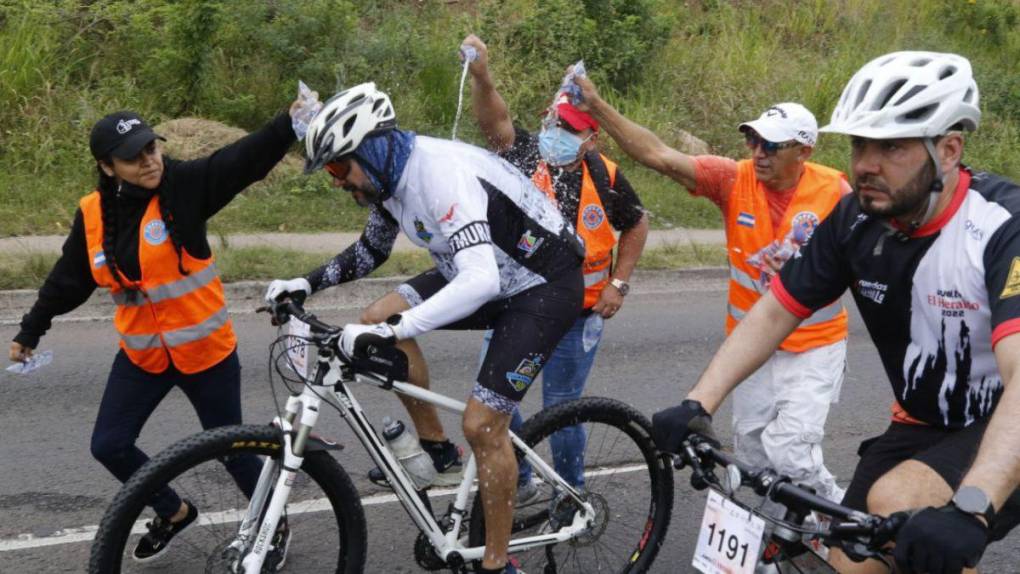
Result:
[[332, 377]]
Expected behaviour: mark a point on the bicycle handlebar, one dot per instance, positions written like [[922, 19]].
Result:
[[282, 311]]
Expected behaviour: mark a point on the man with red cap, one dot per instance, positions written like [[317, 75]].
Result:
[[590, 191]]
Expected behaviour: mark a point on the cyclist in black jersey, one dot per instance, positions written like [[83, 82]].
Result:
[[930, 250]]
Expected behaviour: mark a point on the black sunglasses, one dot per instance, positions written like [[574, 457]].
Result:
[[754, 140]]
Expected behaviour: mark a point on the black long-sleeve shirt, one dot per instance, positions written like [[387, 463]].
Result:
[[193, 190]]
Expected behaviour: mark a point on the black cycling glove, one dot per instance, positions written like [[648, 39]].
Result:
[[673, 425], [940, 541]]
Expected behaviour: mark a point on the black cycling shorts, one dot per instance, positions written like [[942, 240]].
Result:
[[525, 329], [948, 452]]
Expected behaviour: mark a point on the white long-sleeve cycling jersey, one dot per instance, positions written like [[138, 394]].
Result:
[[490, 231]]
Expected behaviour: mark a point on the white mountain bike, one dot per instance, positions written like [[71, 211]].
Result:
[[614, 523]]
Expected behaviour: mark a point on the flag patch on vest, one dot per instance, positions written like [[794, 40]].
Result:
[[593, 216], [155, 232], [529, 243], [419, 230], [745, 219], [99, 260]]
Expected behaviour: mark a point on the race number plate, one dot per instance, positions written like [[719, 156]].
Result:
[[730, 538], [297, 346]]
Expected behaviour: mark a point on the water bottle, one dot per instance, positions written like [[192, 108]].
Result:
[[592, 331], [407, 449], [310, 105], [34, 362]]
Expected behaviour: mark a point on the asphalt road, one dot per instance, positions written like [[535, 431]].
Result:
[[651, 353]]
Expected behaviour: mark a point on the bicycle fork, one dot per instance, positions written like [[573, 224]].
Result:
[[307, 403]]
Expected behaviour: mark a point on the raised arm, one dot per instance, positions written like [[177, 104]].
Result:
[[637, 141], [491, 111]]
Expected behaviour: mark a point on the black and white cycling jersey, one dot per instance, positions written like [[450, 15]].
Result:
[[935, 303], [490, 231]]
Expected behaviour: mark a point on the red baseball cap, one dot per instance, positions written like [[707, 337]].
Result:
[[576, 118]]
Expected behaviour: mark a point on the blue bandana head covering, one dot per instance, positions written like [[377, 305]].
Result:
[[383, 158]]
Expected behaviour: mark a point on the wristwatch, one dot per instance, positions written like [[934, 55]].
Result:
[[973, 500], [622, 286]]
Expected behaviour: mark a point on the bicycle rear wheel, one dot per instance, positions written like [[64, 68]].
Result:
[[324, 513], [625, 479]]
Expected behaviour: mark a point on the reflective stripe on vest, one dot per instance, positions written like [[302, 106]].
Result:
[[592, 225], [749, 229], [170, 290], [166, 316]]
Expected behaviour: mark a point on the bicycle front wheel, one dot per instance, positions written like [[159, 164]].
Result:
[[324, 513], [629, 484]]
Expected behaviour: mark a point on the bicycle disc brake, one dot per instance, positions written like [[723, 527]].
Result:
[[425, 555]]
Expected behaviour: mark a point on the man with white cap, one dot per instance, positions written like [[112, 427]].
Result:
[[771, 204]]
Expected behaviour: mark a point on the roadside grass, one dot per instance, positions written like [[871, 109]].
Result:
[[265, 263]]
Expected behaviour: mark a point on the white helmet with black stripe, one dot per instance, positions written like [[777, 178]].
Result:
[[344, 121], [908, 95]]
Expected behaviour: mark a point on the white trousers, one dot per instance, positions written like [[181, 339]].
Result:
[[779, 414]]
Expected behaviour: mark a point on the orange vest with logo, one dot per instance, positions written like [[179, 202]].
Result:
[[592, 225], [166, 316], [749, 229]]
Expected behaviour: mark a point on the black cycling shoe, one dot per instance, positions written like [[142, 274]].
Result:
[[445, 456], [161, 533]]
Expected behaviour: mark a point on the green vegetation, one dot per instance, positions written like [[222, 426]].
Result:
[[702, 66], [264, 263]]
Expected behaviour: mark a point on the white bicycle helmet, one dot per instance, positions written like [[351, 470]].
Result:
[[344, 121], [908, 95]]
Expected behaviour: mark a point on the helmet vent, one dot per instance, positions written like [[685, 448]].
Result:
[[376, 104], [889, 92], [343, 150], [946, 72], [920, 62], [920, 114], [861, 93], [348, 125], [969, 96], [910, 93]]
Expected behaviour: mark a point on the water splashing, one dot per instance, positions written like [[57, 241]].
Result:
[[468, 54]]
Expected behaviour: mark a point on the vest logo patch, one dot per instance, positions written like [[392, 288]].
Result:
[[99, 260], [593, 216], [419, 230], [1012, 280], [155, 232], [528, 243], [745, 219], [803, 226]]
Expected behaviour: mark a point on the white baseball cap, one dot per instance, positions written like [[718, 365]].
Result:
[[785, 122]]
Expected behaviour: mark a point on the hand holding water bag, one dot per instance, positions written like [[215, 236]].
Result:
[[468, 53], [306, 107], [567, 86], [36, 361]]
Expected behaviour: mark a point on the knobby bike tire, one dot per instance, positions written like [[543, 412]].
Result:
[[108, 548], [650, 464]]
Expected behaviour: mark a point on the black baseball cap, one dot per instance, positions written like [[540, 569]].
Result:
[[121, 134]]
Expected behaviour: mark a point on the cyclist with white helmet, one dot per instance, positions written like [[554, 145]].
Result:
[[505, 260], [930, 250]]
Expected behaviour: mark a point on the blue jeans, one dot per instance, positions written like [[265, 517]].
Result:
[[563, 379], [132, 395]]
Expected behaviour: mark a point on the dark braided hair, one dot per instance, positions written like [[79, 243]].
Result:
[[108, 188], [107, 198]]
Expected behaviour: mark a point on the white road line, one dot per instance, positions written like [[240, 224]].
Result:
[[87, 533]]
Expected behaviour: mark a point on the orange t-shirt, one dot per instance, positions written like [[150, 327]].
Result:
[[715, 176]]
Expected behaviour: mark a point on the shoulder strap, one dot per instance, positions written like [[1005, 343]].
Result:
[[599, 173]]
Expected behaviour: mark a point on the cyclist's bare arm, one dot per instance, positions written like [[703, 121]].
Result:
[[754, 340], [996, 470], [638, 141], [490, 109]]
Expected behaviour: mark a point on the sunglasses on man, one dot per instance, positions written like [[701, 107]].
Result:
[[339, 169], [754, 140]]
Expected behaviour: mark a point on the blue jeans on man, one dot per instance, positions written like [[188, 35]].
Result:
[[563, 379]]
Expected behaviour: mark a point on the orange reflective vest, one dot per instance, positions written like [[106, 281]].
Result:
[[166, 316], [592, 225], [749, 229]]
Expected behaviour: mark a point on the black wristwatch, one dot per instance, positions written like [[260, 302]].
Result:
[[622, 286], [973, 500]]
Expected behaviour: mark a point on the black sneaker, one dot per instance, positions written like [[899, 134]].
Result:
[[161, 533], [277, 555]]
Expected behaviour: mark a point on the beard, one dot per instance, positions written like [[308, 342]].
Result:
[[903, 201], [365, 195]]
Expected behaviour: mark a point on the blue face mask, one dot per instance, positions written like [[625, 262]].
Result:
[[558, 147]]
